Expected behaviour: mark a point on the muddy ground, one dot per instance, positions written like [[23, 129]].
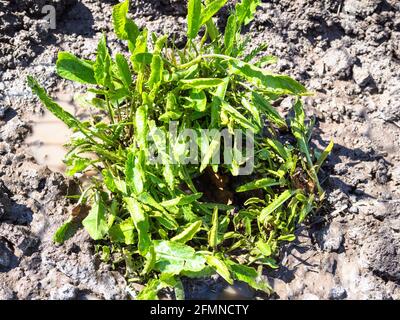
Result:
[[347, 52]]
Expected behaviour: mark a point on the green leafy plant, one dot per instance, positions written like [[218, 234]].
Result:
[[165, 221]]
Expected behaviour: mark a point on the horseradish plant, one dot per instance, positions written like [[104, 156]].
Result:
[[167, 220]]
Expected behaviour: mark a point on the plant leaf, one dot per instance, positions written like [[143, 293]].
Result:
[[284, 196], [245, 10], [174, 257], [124, 28], [141, 224], [103, 64], [72, 68], [213, 233], [188, 233], [95, 223], [123, 69], [201, 83], [53, 107], [269, 111], [230, 34], [280, 84], [66, 231], [323, 156], [193, 18], [182, 200], [157, 68], [211, 9], [250, 276], [123, 232], [258, 184], [220, 267]]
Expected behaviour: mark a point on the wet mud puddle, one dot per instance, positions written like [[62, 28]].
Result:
[[49, 135]]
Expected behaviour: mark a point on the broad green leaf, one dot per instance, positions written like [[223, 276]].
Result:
[[123, 69], [141, 224], [150, 291], [162, 216], [306, 209], [72, 68], [182, 200], [250, 276], [108, 180], [124, 28], [264, 248], [275, 204], [216, 103], [140, 49], [201, 83], [150, 261], [95, 223], [211, 9], [143, 58], [146, 198], [179, 290], [188, 233], [258, 184], [66, 231], [220, 267], [193, 18], [102, 66], [157, 68], [212, 30], [198, 100], [166, 220], [160, 43], [134, 175], [230, 34], [174, 257], [169, 175], [206, 272], [123, 232]]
